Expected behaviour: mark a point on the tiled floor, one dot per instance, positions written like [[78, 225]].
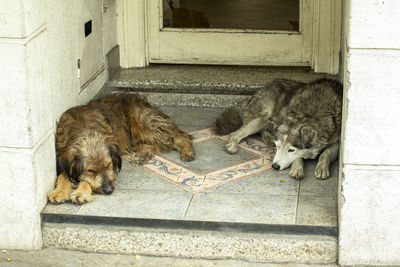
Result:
[[262, 197]]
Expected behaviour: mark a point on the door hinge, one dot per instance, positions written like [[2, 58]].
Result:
[[78, 65], [105, 8]]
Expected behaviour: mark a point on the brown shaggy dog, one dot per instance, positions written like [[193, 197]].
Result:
[[91, 139]]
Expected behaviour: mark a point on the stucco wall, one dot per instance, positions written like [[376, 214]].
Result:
[[63, 42], [38, 74], [369, 200]]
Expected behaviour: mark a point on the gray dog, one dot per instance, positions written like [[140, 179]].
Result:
[[302, 120]]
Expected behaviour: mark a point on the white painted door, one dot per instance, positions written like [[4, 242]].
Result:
[[230, 46], [90, 41]]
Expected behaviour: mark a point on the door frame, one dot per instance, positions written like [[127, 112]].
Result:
[[216, 46], [133, 32]]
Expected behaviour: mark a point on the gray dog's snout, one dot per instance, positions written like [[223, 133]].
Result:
[[276, 166]]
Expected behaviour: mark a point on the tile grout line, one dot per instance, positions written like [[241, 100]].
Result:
[[187, 209], [77, 212], [297, 204]]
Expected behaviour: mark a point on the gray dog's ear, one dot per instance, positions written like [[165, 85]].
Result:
[[307, 134], [275, 122]]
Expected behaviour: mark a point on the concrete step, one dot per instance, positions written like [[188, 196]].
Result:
[[208, 86], [168, 240], [68, 258]]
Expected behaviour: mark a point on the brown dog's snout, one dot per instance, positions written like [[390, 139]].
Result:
[[107, 186]]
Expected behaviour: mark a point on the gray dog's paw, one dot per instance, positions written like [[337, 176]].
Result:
[[322, 171], [296, 173], [232, 147]]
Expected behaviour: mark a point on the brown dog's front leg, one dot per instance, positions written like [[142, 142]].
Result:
[[144, 153], [82, 194], [185, 148], [62, 191]]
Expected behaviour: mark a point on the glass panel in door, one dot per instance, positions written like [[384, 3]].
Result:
[[279, 15]]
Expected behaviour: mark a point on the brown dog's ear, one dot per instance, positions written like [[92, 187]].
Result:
[[307, 134], [116, 159], [73, 168]]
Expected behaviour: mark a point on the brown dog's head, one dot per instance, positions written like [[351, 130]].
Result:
[[92, 158]]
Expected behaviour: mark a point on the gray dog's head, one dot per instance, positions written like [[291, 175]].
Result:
[[299, 140]]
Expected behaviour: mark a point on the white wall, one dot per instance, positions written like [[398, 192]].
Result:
[[62, 15], [369, 200], [38, 81], [110, 25]]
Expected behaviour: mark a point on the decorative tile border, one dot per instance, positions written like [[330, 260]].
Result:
[[195, 182]]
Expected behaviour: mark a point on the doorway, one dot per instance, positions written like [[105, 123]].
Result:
[[231, 32], [143, 39]]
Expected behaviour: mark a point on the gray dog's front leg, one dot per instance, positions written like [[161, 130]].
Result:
[[297, 169], [329, 155], [252, 127]]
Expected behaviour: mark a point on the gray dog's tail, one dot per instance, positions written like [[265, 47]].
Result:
[[228, 122]]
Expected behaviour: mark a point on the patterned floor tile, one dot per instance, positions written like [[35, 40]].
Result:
[[191, 128], [246, 208], [271, 183], [135, 177], [211, 156], [317, 211], [65, 208], [214, 167], [191, 116], [139, 204], [310, 186]]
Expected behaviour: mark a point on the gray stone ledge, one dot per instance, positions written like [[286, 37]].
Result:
[[192, 244], [206, 79]]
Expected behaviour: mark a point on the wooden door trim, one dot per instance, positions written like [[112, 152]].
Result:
[[326, 36], [133, 25]]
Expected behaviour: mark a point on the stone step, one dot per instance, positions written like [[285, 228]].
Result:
[[189, 100], [209, 86], [168, 240]]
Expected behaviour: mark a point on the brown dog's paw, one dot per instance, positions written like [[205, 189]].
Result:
[[188, 156], [81, 197], [296, 173], [58, 196], [142, 157]]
